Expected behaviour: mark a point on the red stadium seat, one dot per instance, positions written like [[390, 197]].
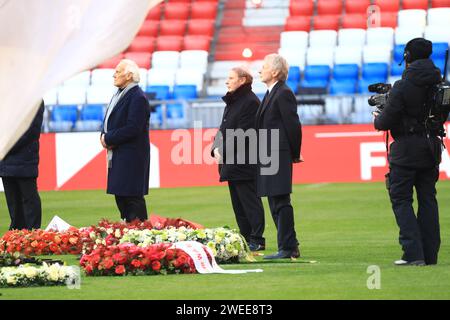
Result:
[[440, 3], [388, 19], [298, 23], [172, 27], [197, 43], [181, 1], [326, 22], [356, 6], [354, 21], [169, 43], [154, 13], [176, 11], [203, 10], [142, 59], [111, 63], [329, 7], [301, 8], [388, 5], [415, 4], [149, 28], [142, 44], [202, 27]]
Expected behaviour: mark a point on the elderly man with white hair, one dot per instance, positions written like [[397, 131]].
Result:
[[125, 135]]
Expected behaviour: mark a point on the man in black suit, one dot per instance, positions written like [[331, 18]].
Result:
[[234, 159], [125, 135], [19, 172], [280, 135]]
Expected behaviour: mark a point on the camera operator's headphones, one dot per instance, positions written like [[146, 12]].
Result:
[[406, 57], [421, 49]]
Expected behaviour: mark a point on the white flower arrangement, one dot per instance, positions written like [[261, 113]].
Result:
[[45, 275], [227, 245]]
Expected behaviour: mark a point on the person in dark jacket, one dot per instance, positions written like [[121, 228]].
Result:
[[19, 172], [278, 119], [414, 156], [235, 165], [125, 135]]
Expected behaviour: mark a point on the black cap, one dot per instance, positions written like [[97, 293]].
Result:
[[418, 48]]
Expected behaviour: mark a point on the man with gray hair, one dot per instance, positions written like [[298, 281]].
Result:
[[125, 135], [278, 121]]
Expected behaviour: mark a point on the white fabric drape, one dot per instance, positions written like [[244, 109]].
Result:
[[44, 42]]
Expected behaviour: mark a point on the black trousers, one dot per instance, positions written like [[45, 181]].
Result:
[[132, 208], [24, 203], [283, 216], [249, 210], [419, 236]]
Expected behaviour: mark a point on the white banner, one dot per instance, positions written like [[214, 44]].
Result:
[[44, 42], [196, 251]]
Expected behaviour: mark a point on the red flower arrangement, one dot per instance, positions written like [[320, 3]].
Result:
[[126, 259]]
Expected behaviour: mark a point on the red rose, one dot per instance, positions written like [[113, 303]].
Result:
[[88, 269], [54, 248], [136, 263], [34, 244], [108, 263], [156, 265], [120, 269]]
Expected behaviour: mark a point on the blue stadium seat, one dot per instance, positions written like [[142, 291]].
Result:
[[440, 63], [294, 74], [65, 113], [345, 72], [342, 87], [439, 49], [317, 72], [162, 92], [185, 91], [398, 52], [175, 111], [92, 112], [375, 70], [397, 70], [293, 85], [314, 83]]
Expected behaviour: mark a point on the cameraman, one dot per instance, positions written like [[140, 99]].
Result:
[[414, 155]]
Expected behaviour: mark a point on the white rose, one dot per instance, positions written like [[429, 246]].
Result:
[[117, 234], [109, 230], [11, 280], [30, 272]]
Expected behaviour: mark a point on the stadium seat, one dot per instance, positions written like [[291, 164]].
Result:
[[162, 92], [176, 11], [149, 28], [102, 77], [439, 17], [190, 76], [317, 72], [440, 3], [352, 37], [169, 43], [175, 111], [73, 95], [439, 49], [81, 79], [348, 55], [294, 74], [380, 36], [185, 91], [388, 5], [161, 77], [388, 19], [329, 7], [412, 18], [376, 54], [437, 34], [403, 35], [293, 85], [196, 43], [319, 56], [328, 22], [166, 60], [203, 27], [354, 21], [111, 63], [294, 57], [399, 49], [440, 63], [203, 10], [194, 59], [375, 71], [100, 94], [142, 44], [414, 4], [143, 75], [296, 40], [172, 27], [301, 8], [65, 113], [92, 112], [298, 23], [142, 59], [316, 83], [322, 38], [345, 72], [154, 13], [397, 70], [342, 87], [356, 6]]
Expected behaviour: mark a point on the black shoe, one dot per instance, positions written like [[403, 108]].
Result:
[[284, 254], [409, 263], [256, 247]]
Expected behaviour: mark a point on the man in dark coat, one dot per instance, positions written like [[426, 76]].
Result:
[[19, 172], [277, 119], [232, 150], [125, 135], [414, 155]]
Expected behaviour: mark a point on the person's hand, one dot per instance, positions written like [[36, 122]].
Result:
[[298, 160], [102, 141], [217, 155], [375, 114]]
